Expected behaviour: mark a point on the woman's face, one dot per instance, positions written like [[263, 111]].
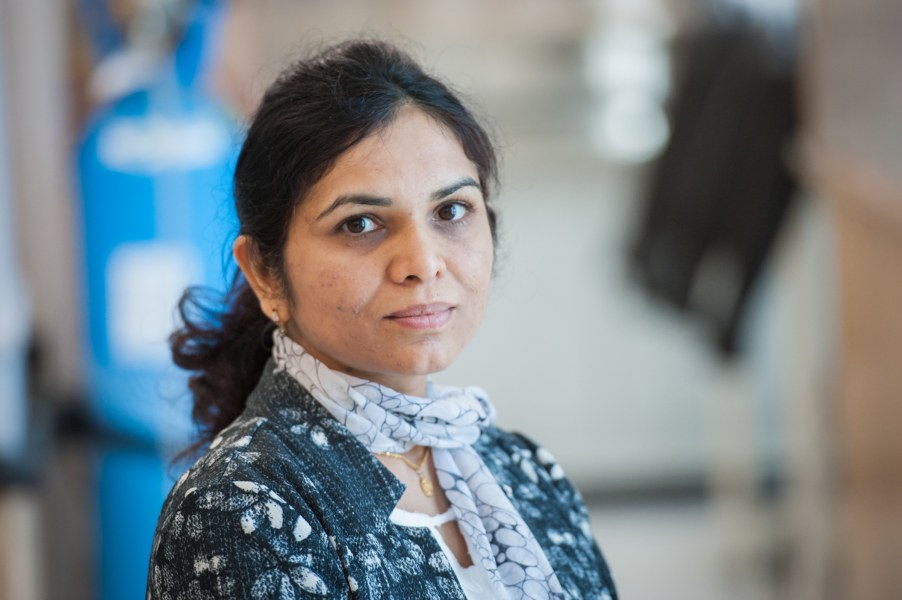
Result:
[[389, 257]]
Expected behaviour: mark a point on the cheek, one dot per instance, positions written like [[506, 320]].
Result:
[[331, 293], [478, 274]]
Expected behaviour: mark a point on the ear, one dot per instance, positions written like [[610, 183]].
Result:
[[266, 287]]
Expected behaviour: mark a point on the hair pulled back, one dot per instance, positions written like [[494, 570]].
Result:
[[315, 111]]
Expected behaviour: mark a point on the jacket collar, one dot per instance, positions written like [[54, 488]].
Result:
[[327, 449]]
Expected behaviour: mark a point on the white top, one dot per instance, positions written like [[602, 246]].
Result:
[[473, 579]]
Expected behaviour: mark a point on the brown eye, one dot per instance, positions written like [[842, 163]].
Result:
[[359, 225], [453, 211]]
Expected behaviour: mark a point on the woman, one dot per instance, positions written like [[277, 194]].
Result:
[[335, 468]]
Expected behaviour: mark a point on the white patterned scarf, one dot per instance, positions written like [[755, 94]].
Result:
[[449, 420]]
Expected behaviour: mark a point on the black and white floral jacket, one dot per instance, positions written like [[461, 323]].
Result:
[[286, 504]]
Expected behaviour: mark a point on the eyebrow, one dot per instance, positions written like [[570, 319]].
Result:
[[450, 189], [368, 200]]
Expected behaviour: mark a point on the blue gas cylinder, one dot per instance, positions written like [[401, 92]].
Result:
[[155, 170]]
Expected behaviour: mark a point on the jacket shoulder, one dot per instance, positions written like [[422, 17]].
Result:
[[553, 509], [231, 527], [240, 538], [503, 449]]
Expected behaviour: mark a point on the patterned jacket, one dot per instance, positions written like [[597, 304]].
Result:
[[286, 504]]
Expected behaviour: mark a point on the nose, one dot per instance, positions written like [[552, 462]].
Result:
[[417, 256]]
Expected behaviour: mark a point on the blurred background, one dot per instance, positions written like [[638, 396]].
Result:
[[698, 304]]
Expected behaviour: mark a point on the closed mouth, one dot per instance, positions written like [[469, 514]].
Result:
[[421, 310], [423, 316]]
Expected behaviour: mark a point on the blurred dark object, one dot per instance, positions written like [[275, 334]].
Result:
[[722, 186]]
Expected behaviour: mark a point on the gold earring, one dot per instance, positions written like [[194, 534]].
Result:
[[279, 323]]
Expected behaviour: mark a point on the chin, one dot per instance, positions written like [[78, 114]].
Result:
[[427, 364]]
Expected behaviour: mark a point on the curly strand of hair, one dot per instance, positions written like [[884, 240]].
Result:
[[224, 343]]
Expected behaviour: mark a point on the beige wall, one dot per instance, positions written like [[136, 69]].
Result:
[[854, 105]]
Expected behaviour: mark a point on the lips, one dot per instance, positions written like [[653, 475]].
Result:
[[423, 316]]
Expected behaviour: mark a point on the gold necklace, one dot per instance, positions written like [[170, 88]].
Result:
[[425, 484]]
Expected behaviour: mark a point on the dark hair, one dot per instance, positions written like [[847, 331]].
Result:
[[315, 111]]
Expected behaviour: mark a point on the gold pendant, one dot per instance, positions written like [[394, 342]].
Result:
[[426, 486]]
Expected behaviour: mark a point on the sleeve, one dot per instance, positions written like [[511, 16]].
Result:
[[240, 539]]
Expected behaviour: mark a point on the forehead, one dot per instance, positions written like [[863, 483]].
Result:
[[413, 155]]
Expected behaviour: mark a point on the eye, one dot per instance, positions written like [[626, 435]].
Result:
[[359, 225], [453, 211]]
